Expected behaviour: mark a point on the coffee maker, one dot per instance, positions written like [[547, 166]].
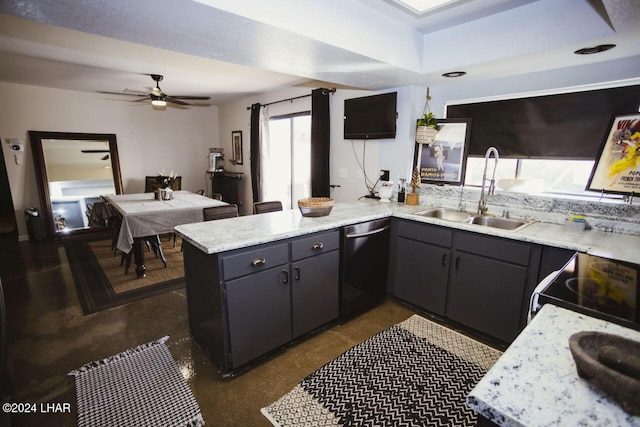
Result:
[[216, 160]]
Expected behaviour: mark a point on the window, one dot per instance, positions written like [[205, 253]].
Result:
[[535, 175], [289, 177]]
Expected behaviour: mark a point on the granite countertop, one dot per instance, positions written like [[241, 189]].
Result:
[[227, 234], [535, 382]]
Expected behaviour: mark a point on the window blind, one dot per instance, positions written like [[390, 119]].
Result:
[[563, 126]]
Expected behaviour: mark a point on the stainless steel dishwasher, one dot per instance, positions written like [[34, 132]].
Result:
[[365, 253]]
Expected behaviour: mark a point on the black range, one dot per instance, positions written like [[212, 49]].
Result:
[[598, 287]]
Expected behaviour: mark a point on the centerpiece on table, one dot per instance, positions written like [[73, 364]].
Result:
[[164, 191]]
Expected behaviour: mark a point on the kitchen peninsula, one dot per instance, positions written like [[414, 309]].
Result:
[[239, 265]]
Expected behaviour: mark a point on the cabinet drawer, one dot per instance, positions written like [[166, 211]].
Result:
[[494, 247], [254, 260], [315, 245], [435, 235]]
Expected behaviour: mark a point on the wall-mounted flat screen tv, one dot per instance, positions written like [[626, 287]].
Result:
[[371, 117]]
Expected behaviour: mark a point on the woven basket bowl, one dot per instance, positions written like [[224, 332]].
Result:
[[315, 206]]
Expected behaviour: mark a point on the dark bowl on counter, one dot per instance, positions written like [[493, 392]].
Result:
[[610, 363]]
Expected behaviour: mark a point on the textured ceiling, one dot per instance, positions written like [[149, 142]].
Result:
[[229, 49]]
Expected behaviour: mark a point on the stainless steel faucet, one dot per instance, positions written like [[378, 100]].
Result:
[[461, 205], [482, 203]]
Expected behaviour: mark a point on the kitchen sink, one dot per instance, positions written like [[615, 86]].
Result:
[[446, 214], [511, 224], [454, 215]]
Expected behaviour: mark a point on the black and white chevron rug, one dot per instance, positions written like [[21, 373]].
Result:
[[415, 373], [138, 387]]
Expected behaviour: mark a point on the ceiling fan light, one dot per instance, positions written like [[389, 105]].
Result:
[[158, 103]]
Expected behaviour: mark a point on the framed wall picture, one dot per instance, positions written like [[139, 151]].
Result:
[[236, 147], [617, 167], [444, 160]]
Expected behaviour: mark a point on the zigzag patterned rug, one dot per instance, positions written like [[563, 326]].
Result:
[[415, 373]]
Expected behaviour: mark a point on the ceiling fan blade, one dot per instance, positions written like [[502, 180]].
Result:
[[136, 92], [94, 151], [105, 157], [176, 101], [201, 98], [146, 98], [123, 93]]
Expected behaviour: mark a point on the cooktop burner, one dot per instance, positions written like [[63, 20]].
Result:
[[598, 287]]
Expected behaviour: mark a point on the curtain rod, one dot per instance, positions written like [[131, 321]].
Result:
[[332, 90]]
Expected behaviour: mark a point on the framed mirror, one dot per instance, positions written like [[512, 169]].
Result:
[[72, 171]]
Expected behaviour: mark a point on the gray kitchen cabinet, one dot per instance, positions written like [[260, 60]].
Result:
[[421, 272], [259, 312], [489, 276], [479, 281], [247, 302], [486, 295], [315, 278]]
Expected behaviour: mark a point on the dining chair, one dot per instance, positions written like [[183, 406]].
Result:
[[264, 207], [216, 196], [219, 212], [114, 222], [200, 192]]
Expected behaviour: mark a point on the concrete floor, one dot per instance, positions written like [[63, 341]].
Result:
[[49, 336]]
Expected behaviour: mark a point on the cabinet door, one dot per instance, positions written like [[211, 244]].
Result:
[[314, 290], [486, 295], [259, 313], [422, 272]]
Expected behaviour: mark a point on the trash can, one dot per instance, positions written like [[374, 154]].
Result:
[[34, 224]]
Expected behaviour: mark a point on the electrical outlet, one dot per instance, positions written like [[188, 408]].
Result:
[[384, 175]]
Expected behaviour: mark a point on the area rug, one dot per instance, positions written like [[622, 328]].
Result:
[[414, 373], [100, 280], [139, 387]]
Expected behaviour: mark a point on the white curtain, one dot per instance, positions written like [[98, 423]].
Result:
[[266, 161]]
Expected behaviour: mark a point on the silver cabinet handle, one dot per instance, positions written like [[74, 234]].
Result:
[[286, 277], [297, 270], [258, 261], [318, 245]]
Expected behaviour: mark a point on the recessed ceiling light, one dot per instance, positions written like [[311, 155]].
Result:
[[452, 74], [595, 49], [422, 6]]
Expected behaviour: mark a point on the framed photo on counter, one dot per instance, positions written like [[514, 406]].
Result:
[[617, 167], [444, 160]]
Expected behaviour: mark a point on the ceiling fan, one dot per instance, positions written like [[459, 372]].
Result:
[[157, 97], [106, 157]]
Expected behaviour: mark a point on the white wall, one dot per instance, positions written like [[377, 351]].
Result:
[[393, 154], [148, 140]]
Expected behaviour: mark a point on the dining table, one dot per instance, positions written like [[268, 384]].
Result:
[[143, 215]]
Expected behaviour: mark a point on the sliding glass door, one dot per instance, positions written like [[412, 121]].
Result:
[[289, 171]]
